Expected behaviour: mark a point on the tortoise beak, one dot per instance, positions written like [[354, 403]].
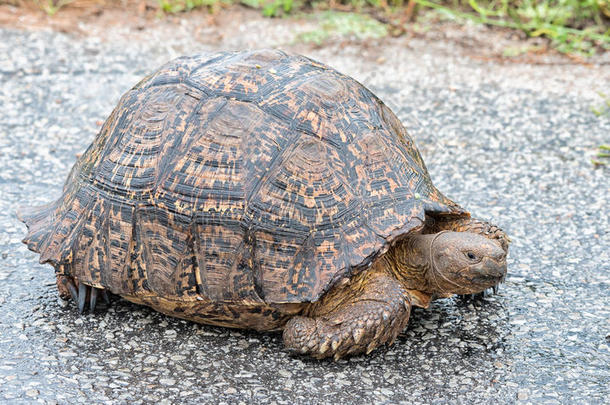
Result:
[[490, 272]]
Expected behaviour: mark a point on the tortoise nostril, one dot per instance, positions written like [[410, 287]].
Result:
[[498, 257], [498, 254]]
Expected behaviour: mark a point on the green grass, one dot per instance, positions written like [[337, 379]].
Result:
[[342, 24], [573, 26], [51, 7], [273, 8], [602, 153], [177, 6], [604, 107]]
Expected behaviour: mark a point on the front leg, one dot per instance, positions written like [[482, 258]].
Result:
[[370, 311], [472, 225]]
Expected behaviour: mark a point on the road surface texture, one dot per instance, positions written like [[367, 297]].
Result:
[[511, 142]]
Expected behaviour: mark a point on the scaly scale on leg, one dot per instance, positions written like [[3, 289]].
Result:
[[377, 313]]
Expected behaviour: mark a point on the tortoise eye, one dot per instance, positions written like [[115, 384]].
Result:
[[471, 256]]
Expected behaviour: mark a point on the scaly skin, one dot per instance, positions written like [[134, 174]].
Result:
[[371, 310], [373, 307], [473, 225]]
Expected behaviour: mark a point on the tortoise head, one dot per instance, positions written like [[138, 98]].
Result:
[[463, 262], [450, 263]]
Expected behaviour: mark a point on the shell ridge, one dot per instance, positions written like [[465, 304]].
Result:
[[136, 270], [214, 57], [257, 273], [301, 260], [131, 256], [143, 255], [200, 259], [192, 85], [274, 165], [192, 243]]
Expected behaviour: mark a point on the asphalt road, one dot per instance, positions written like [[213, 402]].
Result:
[[512, 143]]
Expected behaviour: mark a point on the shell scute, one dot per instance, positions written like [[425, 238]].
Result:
[[243, 76], [168, 257]]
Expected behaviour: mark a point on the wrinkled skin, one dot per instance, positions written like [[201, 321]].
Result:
[[373, 308]]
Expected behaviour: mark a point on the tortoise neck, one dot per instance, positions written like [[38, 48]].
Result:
[[409, 261]]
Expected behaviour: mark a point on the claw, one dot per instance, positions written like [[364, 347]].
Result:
[[82, 295], [379, 333], [106, 297], [72, 289], [370, 347], [324, 347], [93, 299], [358, 334]]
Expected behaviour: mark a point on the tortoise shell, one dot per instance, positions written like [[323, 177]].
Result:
[[242, 177]]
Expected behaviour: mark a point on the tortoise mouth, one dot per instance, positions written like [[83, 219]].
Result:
[[489, 281], [488, 273]]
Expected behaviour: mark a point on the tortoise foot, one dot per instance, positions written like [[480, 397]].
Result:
[[84, 295], [378, 312]]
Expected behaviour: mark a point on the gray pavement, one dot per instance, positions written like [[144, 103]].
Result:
[[510, 142]]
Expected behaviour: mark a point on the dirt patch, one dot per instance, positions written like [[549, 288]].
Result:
[[73, 16]]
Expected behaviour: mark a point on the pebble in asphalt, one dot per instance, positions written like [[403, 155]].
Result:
[[512, 146]]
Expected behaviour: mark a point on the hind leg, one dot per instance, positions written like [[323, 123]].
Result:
[[81, 293]]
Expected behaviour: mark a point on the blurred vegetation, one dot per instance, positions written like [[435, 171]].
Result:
[[604, 107], [51, 7], [178, 6], [274, 8], [334, 23], [602, 156], [572, 26]]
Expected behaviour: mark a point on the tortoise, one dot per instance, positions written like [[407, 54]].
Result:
[[267, 191]]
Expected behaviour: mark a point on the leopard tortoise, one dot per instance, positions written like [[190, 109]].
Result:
[[266, 191]]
